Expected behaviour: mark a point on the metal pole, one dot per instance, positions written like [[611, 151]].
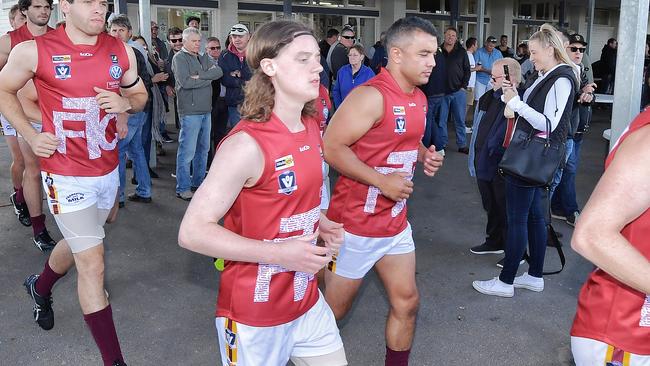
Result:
[[455, 13], [562, 14], [286, 7], [632, 29], [480, 23], [144, 9], [120, 7], [590, 23]]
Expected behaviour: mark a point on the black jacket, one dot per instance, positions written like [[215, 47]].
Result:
[[457, 67], [491, 132], [435, 87]]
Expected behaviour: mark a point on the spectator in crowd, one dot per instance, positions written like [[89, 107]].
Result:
[[194, 22], [455, 101], [485, 57], [330, 38], [612, 321], [471, 45], [564, 204], [380, 57], [219, 115], [194, 75], [506, 51], [487, 151], [120, 27], [235, 70], [16, 17], [549, 98], [608, 64], [434, 90], [338, 55], [175, 38], [158, 45], [351, 75], [522, 53]]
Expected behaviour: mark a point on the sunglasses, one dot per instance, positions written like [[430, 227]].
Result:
[[214, 48], [238, 30], [175, 40], [576, 49], [348, 37]]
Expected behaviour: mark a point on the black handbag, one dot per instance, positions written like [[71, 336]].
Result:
[[533, 159]]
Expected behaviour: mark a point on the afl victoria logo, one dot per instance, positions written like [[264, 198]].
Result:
[[115, 71]]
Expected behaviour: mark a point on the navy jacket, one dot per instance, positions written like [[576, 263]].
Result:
[[229, 62], [490, 135]]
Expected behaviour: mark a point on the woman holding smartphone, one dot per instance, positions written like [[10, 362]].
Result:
[[548, 98]]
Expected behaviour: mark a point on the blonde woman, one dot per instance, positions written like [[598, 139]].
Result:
[[550, 98]]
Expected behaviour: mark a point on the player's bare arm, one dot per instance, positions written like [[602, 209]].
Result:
[[5, 48], [622, 195], [239, 163], [19, 69], [133, 97], [29, 100], [362, 108]]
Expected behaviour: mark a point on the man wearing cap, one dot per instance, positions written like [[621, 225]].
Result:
[[235, 70], [564, 204], [338, 54], [485, 57]]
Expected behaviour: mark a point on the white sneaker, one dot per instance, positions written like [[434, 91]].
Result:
[[529, 282], [494, 287]]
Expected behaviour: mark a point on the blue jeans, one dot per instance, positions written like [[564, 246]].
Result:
[[558, 173], [564, 200], [233, 116], [132, 144], [456, 103], [433, 114], [193, 148], [526, 225]]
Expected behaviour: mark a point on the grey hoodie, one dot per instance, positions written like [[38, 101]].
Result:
[[194, 95]]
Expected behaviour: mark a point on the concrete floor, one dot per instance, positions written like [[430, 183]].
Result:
[[163, 297]]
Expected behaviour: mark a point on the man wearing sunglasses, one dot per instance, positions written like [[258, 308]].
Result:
[[564, 204], [338, 56], [235, 70], [175, 38]]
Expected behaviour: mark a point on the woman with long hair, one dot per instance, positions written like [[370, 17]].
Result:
[[549, 98], [265, 183]]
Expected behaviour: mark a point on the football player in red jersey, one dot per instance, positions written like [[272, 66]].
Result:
[[84, 78], [30, 212], [374, 141], [265, 183], [612, 322]]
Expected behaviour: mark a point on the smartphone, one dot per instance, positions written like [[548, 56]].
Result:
[[506, 72]]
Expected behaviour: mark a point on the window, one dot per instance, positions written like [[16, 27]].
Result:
[[413, 5], [601, 16], [525, 10]]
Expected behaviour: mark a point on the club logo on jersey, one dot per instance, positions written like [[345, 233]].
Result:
[[58, 59], [399, 110], [49, 181], [231, 338], [114, 59], [400, 125], [284, 162], [62, 72], [115, 71], [287, 182]]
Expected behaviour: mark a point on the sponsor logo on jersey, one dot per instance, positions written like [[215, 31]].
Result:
[[62, 72], [115, 71], [115, 84], [284, 162], [287, 182], [85, 54], [57, 59], [399, 110], [400, 125], [304, 148], [75, 197], [114, 59]]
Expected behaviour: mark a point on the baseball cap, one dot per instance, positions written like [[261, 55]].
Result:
[[238, 30], [491, 39], [576, 38]]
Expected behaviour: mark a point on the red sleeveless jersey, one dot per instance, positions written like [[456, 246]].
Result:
[[64, 80], [608, 310], [390, 145], [284, 203], [22, 34]]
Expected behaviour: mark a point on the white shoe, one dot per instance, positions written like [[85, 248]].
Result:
[[494, 287], [529, 282]]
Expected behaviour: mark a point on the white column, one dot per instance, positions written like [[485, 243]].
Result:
[[389, 12], [632, 31]]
